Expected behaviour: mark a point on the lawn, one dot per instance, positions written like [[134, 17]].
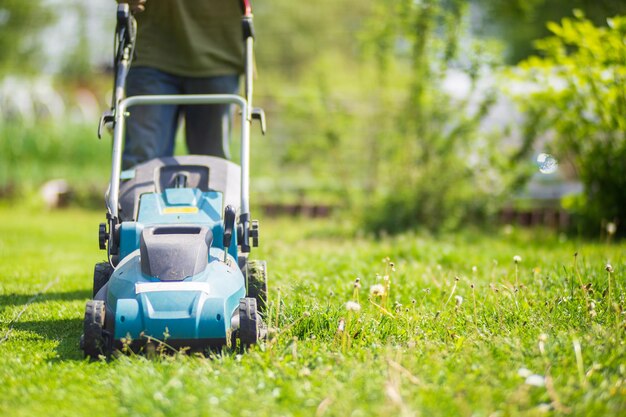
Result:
[[461, 329]]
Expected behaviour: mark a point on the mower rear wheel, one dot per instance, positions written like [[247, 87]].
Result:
[[249, 322], [94, 342], [101, 274], [256, 276]]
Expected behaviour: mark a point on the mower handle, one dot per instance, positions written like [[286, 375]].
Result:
[[185, 99]]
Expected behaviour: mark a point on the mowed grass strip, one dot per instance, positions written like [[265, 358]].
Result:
[[453, 327]]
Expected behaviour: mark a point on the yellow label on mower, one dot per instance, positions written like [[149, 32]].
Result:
[[180, 210]]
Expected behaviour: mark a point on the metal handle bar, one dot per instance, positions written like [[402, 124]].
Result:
[[191, 99]]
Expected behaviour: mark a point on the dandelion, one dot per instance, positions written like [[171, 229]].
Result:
[[377, 290], [535, 380], [341, 326], [474, 269], [353, 306], [459, 300], [609, 270], [357, 287], [611, 228], [543, 338], [517, 259]]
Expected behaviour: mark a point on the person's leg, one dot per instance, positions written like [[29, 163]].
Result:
[[208, 127], [150, 130]]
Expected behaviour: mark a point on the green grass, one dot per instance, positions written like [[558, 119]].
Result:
[[432, 355]]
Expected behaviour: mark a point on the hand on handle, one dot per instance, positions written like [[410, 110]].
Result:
[[136, 6]]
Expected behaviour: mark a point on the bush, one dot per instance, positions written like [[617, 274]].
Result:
[[33, 154], [581, 78], [437, 168]]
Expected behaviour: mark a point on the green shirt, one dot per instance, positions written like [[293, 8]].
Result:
[[195, 38]]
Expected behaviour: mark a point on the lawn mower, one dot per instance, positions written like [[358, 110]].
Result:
[[177, 235]]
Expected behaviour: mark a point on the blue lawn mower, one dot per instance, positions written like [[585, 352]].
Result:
[[178, 234]]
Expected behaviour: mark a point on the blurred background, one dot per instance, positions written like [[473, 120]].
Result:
[[392, 114]]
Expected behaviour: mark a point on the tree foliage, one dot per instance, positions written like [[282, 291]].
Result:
[[20, 23], [581, 78], [519, 22], [436, 168]]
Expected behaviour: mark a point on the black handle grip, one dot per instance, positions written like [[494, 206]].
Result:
[[229, 225]]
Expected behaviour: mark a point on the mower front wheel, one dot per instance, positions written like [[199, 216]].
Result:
[[94, 341], [256, 277], [101, 274], [249, 322]]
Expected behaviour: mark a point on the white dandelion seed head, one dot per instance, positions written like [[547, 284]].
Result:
[[377, 290], [524, 372], [353, 306], [459, 300], [341, 326], [517, 259], [609, 267], [474, 269], [611, 228], [535, 380]]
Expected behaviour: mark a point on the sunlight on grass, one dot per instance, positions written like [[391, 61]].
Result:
[[409, 325]]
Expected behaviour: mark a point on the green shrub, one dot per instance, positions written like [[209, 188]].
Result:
[[582, 100], [436, 168], [33, 154]]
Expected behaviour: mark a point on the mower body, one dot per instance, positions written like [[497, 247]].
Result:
[[175, 281]]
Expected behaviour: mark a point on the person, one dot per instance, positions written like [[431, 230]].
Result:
[[183, 47]]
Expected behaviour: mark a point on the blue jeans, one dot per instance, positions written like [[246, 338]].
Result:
[[151, 130]]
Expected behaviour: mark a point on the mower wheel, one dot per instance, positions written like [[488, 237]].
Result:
[[249, 322], [101, 275], [94, 343], [256, 277]]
